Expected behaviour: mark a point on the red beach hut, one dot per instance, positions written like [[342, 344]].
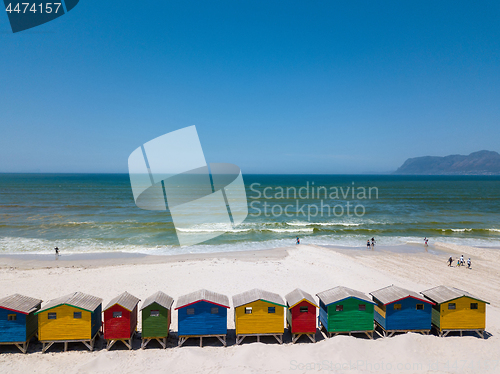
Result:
[[120, 320], [301, 315]]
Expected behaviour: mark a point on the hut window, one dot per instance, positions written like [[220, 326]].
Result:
[[248, 310], [362, 307], [304, 309], [473, 305], [271, 309], [117, 314], [77, 315], [452, 306], [397, 306], [52, 316], [13, 317], [420, 306], [190, 311], [214, 310], [154, 313], [339, 308]]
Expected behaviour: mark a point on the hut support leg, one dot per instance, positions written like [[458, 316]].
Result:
[[23, 347], [129, 344], [46, 346], [239, 339], [279, 338], [89, 345], [65, 346], [163, 342], [201, 341], [222, 339], [110, 344], [182, 340], [145, 343], [312, 337]]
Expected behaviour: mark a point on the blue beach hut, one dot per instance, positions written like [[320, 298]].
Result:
[[202, 314], [401, 310], [18, 322]]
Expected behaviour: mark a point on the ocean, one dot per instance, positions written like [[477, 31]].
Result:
[[96, 213]]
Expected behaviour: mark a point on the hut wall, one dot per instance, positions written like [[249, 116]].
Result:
[[155, 327], [302, 322], [408, 317], [379, 315], [463, 317], [436, 315], [350, 318], [96, 320], [259, 321], [12, 331], [323, 314], [117, 328], [133, 320], [65, 326], [202, 322], [31, 324]]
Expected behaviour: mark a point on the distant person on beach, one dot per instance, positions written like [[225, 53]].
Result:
[[373, 242], [462, 261], [297, 240], [450, 261], [57, 251], [368, 243], [426, 241], [468, 263]]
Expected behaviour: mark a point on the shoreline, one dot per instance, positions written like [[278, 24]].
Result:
[[118, 258]]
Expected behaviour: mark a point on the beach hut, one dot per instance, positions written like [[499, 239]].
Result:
[[18, 322], [69, 319], [301, 315], [156, 317], [456, 311], [401, 310], [120, 320], [202, 314], [343, 310], [259, 313]]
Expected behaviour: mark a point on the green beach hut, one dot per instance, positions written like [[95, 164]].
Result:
[[156, 317], [343, 310]]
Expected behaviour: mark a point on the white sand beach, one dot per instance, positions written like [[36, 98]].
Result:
[[312, 268]]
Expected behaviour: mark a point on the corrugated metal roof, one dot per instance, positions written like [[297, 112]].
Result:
[[392, 293], [160, 298], [257, 294], [20, 303], [297, 295], [76, 299], [442, 294], [211, 297], [340, 293], [125, 300]]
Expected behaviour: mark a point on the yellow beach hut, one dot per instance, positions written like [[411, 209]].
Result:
[[72, 318], [456, 311], [259, 313]]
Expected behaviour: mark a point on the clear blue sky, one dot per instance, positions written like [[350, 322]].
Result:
[[272, 86]]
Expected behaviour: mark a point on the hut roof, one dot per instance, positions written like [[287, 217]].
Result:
[[443, 294], [296, 296], [202, 295], [20, 303], [339, 293], [76, 299], [159, 298], [125, 300], [394, 293], [257, 294]]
